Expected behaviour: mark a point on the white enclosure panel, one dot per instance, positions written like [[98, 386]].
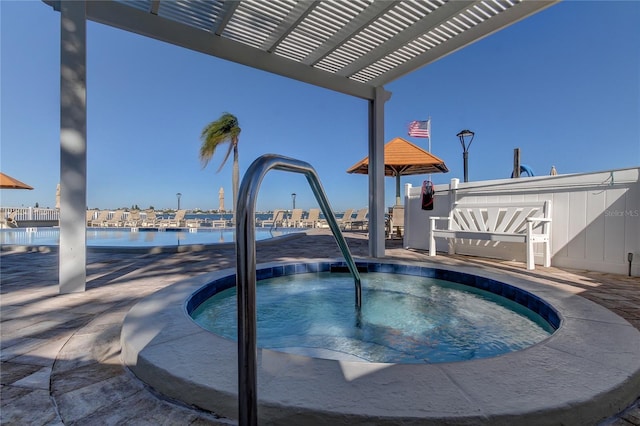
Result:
[[560, 215], [615, 221], [418, 238], [577, 221], [595, 217], [594, 231]]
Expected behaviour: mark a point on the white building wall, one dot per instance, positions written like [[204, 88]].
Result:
[[596, 217]]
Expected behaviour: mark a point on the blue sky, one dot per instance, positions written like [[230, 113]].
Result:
[[562, 85]]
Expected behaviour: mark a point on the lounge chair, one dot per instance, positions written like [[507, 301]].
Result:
[[296, 217], [359, 222], [150, 219], [174, 222], [312, 219], [90, 215], [9, 221], [133, 220], [220, 223], [193, 222], [116, 220], [346, 219], [101, 220], [276, 219], [396, 221]]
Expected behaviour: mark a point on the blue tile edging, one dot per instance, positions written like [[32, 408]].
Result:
[[518, 295]]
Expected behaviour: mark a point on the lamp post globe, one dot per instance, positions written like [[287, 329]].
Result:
[[466, 137]]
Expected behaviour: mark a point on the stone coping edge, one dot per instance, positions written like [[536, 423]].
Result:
[[588, 370]]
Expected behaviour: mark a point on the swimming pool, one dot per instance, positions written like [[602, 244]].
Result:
[[128, 238]]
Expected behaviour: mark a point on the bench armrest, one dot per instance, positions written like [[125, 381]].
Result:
[[432, 221], [539, 222], [538, 219]]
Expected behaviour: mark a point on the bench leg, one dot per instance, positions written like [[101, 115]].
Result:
[[547, 254], [432, 244], [530, 260]]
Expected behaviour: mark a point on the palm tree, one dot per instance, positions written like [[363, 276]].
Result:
[[223, 130]]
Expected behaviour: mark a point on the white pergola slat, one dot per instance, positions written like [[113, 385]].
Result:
[[354, 47]]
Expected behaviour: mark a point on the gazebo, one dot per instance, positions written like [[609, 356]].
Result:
[[402, 158], [354, 47]]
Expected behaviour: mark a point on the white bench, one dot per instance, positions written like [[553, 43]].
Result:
[[525, 222]]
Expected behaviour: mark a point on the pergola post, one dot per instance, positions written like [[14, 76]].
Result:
[[73, 147], [376, 172]]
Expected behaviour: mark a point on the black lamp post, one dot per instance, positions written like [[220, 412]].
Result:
[[293, 199], [178, 195], [466, 135]]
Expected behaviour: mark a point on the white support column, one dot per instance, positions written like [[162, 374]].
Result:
[[73, 147], [453, 192], [376, 172]]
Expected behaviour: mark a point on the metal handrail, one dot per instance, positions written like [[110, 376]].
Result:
[[246, 270]]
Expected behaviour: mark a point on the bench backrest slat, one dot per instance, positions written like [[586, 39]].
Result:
[[493, 218], [527, 213], [458, 220], [469, 220], [507, 218], [510, 215], [480, 219]]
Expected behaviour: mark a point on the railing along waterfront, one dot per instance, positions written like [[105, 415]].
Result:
[[31, 213]]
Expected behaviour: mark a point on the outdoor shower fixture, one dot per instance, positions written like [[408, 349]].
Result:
[[465, 149]]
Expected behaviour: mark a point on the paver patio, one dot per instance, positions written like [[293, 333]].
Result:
[[61, 353]]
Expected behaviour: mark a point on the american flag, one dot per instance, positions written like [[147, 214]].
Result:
[[419, 129]]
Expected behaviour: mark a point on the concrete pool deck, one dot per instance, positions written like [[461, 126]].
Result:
[[61, 353]]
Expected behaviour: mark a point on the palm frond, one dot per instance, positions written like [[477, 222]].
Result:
[[226, 157], [223, 130]]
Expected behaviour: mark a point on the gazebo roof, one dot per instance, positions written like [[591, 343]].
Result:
[[8, 182], [401, 157], [351, 46]]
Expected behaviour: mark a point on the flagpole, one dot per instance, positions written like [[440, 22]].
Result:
[[429, 133]]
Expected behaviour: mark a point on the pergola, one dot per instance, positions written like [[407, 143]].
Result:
[[350, 46]]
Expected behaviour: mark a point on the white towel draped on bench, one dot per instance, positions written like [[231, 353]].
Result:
[[525, 222]]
